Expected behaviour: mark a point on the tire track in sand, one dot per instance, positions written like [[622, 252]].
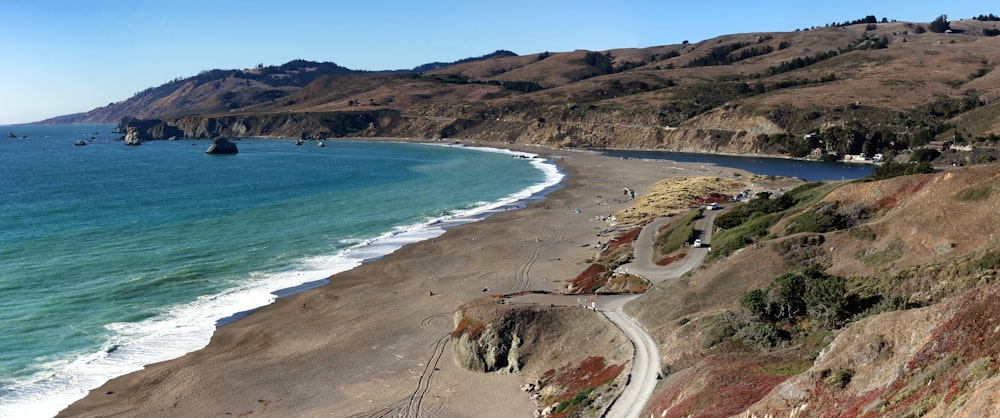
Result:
[[412, 405], [522, 276]]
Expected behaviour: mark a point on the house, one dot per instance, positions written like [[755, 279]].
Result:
[[938, 145]]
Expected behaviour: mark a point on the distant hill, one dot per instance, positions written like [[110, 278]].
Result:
[[439, 65], [215, 91], [863, 86]]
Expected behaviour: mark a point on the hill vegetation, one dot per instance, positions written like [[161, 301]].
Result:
[[864, 86], [800, 310]]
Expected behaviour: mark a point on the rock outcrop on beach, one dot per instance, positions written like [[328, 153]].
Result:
[[564, 351]]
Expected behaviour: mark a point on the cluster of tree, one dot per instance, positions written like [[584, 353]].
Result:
[[601, 62], [940, 24], [864, 42], [668, 55], [988, 18], [893, 169], [810, 294], [870, 19], [724, 55], [522, 86], [991, 32], [761, 204], [293, 73], [799, 62], [830, 216], [789, 144], [500, 53]]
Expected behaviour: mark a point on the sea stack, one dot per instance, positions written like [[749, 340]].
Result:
[[132, 136], [221, 146]]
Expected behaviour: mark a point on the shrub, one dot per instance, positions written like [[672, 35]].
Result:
[[802, 250], [892, 169], [761, 335], [925, 154], [754, 302], [839, 379], [863, 233], [975, 193]]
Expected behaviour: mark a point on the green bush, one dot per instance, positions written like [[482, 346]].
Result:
[[862, 233], [807, 294], [925, 154], [892, 169], [761, 335], [829, 216], [975, 193], [681, 231], [755, 302]]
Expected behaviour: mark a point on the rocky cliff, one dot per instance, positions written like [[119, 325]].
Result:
[[573, 127]]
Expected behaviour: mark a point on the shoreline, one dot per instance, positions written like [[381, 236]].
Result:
[[59, 394], [371, 304]]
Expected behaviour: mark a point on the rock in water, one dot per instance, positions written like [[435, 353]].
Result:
[[132, 136], [222, 146]]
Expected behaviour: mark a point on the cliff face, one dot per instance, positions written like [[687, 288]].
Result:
[[588, 129], [542, 345]]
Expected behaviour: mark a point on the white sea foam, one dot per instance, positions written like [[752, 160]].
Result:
[[189, 327]]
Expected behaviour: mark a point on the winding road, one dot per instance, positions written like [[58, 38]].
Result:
[[646, 363]]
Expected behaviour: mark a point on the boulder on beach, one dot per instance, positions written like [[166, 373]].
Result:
[[221, 146]]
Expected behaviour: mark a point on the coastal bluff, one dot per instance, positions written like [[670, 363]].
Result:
[[563, 127]]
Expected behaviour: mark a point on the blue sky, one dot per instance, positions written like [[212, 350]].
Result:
[[68, 56]]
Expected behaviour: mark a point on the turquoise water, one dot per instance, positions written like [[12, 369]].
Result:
[[114, 257]]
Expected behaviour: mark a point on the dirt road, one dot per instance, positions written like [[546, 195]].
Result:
[[646, 364]]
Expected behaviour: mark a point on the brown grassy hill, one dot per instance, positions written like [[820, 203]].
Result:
[[896, 281], [861, 88]]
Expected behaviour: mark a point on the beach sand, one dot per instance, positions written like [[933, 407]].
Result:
[[373, 341]]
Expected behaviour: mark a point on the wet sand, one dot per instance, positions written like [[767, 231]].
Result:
[[373, 342]]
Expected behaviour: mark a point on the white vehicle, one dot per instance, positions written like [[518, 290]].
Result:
[[713, 206], [697, 243]]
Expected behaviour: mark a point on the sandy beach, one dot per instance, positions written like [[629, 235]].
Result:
[[373, 342]]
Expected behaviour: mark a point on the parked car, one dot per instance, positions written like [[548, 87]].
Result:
[[697, 243], [713, 206]]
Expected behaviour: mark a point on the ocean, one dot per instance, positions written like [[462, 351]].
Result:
[[113, 257]]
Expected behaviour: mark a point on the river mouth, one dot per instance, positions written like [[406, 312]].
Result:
[[768, 166]]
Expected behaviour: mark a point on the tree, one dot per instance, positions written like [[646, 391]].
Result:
[[940, 24], [924, 154]]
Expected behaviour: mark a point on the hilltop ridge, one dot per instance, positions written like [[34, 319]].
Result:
[[848, 89]]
